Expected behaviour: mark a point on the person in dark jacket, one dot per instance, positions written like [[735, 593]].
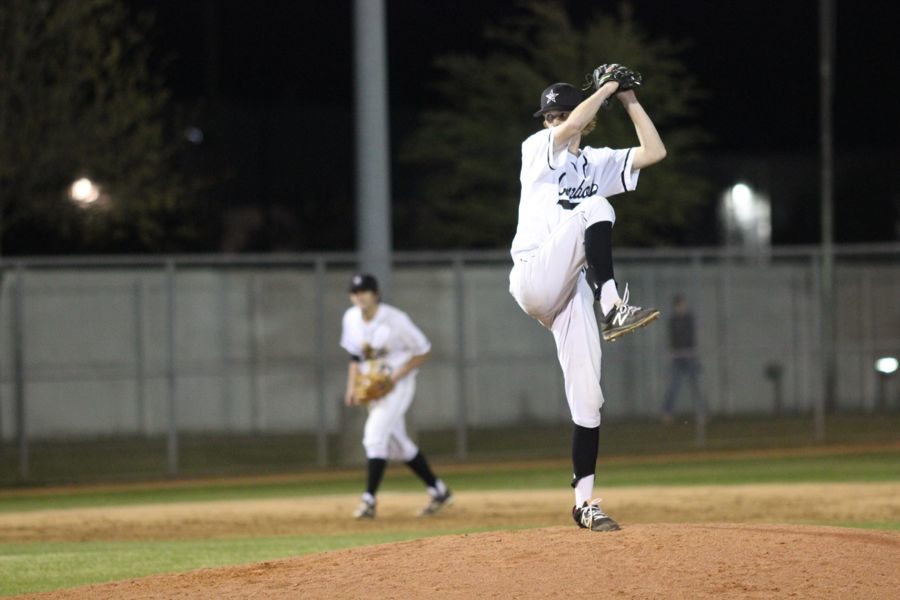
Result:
[[684, 363]]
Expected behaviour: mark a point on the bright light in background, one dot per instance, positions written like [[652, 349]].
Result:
[[886, 365], [84, 191], [742, 203], [747, 217]]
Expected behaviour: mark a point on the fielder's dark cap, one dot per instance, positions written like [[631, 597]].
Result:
[[561, 97], [363, 282]]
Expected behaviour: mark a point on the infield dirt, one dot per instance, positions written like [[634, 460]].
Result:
[[676, 542]]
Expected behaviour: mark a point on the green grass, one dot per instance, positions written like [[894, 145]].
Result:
[[687, 470], [141, 459], [875, 525], [37, 567], [144, 458], [43, 566]]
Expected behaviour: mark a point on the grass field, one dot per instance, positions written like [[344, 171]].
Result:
[[42, 565], [144, 458], [853, 465]]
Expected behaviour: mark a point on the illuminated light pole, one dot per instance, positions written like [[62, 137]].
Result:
[[747, 218], [885, 366], [84, 191]]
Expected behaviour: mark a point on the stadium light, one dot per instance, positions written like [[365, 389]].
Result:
[[84, 191], [887, 365], [742, 204], [746, 216]]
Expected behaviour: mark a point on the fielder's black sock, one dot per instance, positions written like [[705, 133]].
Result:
[[420, 467], [598, 254], [585, 447], [376, 468]]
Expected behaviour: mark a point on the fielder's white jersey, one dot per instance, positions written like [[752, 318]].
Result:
[[555, 183], [390, 339]]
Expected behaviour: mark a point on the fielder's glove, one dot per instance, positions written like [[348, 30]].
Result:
[[628, 79], [372, 386]]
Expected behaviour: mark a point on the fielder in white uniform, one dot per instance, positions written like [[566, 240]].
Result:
[[562, 255], [379, 336]]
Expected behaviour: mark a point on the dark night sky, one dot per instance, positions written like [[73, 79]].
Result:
[[757, 59]]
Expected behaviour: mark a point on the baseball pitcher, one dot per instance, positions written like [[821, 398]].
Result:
[[562, 250]]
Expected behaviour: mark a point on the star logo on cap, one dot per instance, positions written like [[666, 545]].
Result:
[[551, 96]]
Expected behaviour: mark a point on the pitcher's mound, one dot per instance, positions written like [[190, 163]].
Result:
[[640, 561]]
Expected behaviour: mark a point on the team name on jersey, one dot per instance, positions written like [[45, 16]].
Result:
[[579, 192]]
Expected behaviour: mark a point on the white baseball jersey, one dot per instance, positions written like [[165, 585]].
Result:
[[562, 195], [555, 183], [390, 338], [388, 341]]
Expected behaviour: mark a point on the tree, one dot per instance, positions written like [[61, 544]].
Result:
[[467, 152], [77, 99]]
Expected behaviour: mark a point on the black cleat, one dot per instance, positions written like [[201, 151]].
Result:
[[437, 503], [590, 516], [365, 510], [625, 318]]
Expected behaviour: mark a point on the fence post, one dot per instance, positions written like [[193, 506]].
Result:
[[253, 341], [867, 332], [797, 317], [722, 333], [139, 372], [821, 379], [2, 279], [19, 370], [321, 400], [651, 385], [172, 438], [701, 410], [462, 441], [224, 339]]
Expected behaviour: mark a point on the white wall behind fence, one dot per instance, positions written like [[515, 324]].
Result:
[[247, 353]]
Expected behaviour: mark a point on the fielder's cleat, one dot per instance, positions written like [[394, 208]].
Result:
[[365, 510], [437, 503], [625, 318], [590, 516]]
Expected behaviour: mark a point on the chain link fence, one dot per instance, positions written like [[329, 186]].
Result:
[[195, 364]]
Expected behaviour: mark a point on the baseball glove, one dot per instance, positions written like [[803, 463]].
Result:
[[372, 386], [628, 79]]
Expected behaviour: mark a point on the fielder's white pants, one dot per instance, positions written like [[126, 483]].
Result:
[[385, 431], [550, 285]]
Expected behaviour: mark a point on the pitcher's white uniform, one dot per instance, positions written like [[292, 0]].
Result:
[[562, 195], [389, 340]]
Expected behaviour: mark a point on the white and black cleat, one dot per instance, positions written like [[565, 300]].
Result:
[[591, 516], [625, 318], [365, 510], [436, 504]]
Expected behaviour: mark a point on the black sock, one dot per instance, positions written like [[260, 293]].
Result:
[[585, 447], [598, 254], [420, 467], [376, 468]]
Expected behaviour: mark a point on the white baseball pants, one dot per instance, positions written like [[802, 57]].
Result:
[[550, 286], [385, 434]]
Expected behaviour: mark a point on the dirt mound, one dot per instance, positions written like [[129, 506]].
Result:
[[676, 543], [642, 561]]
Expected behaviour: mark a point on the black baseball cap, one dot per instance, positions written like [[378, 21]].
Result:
[[561, 97], [363, 282]]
